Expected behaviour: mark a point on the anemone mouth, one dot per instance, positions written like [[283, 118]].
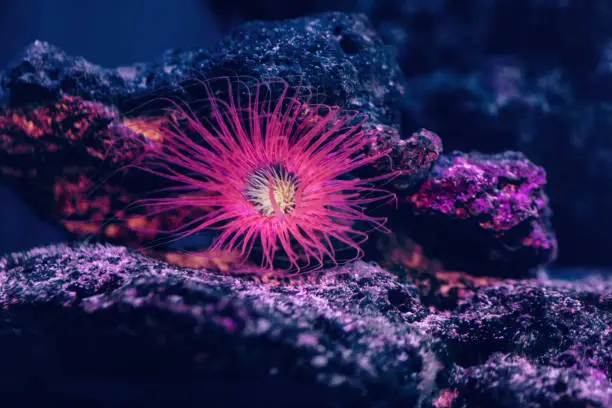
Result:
[[272, 190]]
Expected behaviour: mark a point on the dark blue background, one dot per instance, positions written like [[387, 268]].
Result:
[[108, 33]]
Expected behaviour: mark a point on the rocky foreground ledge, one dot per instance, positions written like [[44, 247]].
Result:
[[102, 326]]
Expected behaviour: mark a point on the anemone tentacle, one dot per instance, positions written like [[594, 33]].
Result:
[[272, 169]]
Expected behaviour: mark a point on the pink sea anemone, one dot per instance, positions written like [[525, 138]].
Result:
[[273, 169]]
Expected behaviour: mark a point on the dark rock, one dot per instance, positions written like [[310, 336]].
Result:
[[508, 382], [525, 344], [339, 56], [414, 157], [101, 325], [44, 72], [95, 321]]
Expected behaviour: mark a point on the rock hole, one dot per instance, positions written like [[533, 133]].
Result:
[[400, 300], [349, 45]]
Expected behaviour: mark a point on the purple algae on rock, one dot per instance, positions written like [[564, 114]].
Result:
[[484, 213], [88, 322]]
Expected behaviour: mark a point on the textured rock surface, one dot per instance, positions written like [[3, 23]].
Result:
[[483, 85], [96, 322], [340, 55], [483, 213]]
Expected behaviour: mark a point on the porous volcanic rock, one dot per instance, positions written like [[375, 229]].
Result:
[[103, 326]]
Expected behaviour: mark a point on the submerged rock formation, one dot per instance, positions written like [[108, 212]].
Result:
[[98, 323]]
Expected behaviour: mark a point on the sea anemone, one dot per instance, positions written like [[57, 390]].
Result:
[[272, 168]]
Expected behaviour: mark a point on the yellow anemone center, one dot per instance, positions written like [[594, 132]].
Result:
[[272, 191]]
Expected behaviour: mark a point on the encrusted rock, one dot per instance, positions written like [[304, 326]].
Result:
[[485, 214], [101, 324]]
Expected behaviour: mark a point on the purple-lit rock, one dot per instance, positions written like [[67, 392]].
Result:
[[414, 156], [104, 325], [485, 214], [500, 190], [99, 319], [528, 385], [533, 344]]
